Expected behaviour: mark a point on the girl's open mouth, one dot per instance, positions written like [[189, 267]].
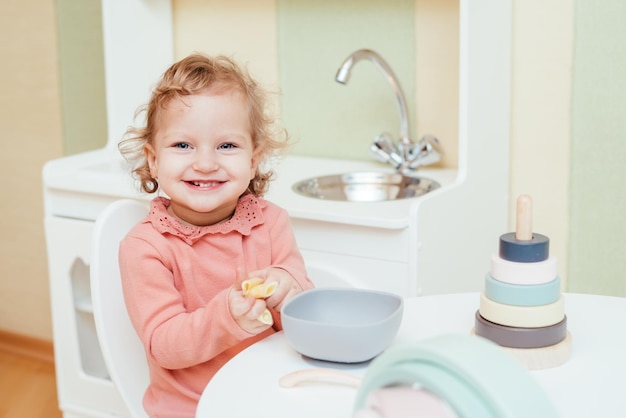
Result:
[[205, 184]]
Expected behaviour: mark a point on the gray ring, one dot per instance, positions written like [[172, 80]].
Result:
[[520, 251], [516, 337]]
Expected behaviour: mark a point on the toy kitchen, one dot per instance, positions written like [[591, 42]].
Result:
[[433, 243]]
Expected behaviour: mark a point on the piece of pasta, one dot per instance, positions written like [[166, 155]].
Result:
[[266, 317], [259, 289]]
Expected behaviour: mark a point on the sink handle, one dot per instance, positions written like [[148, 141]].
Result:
[[384, 150], [426, 151]]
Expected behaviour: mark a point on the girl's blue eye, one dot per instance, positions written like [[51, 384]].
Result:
[[181, 145], [228, 146]]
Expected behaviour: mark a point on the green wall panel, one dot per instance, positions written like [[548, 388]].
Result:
[[326, 118], [597, 261], [81, 60]]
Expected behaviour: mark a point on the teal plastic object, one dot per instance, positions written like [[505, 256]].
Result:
[[522, 294], [439, 382], [473, 375]]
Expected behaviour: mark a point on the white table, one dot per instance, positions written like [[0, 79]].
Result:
[[590, 384]]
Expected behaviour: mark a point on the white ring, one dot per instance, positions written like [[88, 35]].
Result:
[[523, 273], [522, 316]]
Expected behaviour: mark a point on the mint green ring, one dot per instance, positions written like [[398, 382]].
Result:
[[497, 380], [522, 294], [460, 395]]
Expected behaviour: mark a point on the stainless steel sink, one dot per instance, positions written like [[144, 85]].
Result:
[[365, 187]]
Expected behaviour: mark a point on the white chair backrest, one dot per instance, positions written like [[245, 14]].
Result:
[[122, 350]]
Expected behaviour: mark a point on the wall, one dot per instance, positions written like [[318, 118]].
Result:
[[219, 27], [540, 117], [329, 119], [81, 71], [30, 134], [597, 192]]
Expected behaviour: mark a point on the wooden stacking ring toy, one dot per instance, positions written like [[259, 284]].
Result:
[[518, 337], [522, 308], [523, 273], [521, 316], [522, 295]]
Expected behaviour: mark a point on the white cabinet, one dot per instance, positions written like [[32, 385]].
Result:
[[356, 256], [84, 389]]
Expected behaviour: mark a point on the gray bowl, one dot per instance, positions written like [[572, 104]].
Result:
[[343, 325]]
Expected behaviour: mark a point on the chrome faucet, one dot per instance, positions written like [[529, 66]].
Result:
[[403, 155]]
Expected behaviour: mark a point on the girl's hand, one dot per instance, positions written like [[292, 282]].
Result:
[[287, 287], [246, 310]]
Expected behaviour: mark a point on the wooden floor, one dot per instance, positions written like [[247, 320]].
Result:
[[27, 386]]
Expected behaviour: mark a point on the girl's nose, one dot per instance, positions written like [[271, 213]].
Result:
[[205, 161]]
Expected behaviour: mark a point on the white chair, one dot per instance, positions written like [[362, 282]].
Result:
[[122, 350]]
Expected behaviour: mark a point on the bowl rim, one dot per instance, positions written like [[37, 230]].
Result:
[[302, 294]]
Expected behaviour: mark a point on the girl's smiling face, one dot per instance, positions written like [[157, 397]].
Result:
[[202, 155]]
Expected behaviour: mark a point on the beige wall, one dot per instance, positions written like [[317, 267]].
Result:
[[437, 80], [540, 116], [30, 134], [30, 119], [221, 27]]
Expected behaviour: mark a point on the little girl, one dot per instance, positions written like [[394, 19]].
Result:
[[204, 143]]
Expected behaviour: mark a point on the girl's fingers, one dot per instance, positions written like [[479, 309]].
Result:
[[247, 307], [240, 305], [256, 310]]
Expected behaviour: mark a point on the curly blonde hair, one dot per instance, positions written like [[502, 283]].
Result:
[[193, 75]]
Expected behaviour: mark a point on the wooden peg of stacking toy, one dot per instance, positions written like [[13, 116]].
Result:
[[524, 218], [523, 245]]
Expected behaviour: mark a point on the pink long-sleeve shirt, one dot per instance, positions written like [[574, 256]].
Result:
[[176, 280]]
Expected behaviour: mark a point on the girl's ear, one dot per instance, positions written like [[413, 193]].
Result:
[[254, 163], [151, 158]]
